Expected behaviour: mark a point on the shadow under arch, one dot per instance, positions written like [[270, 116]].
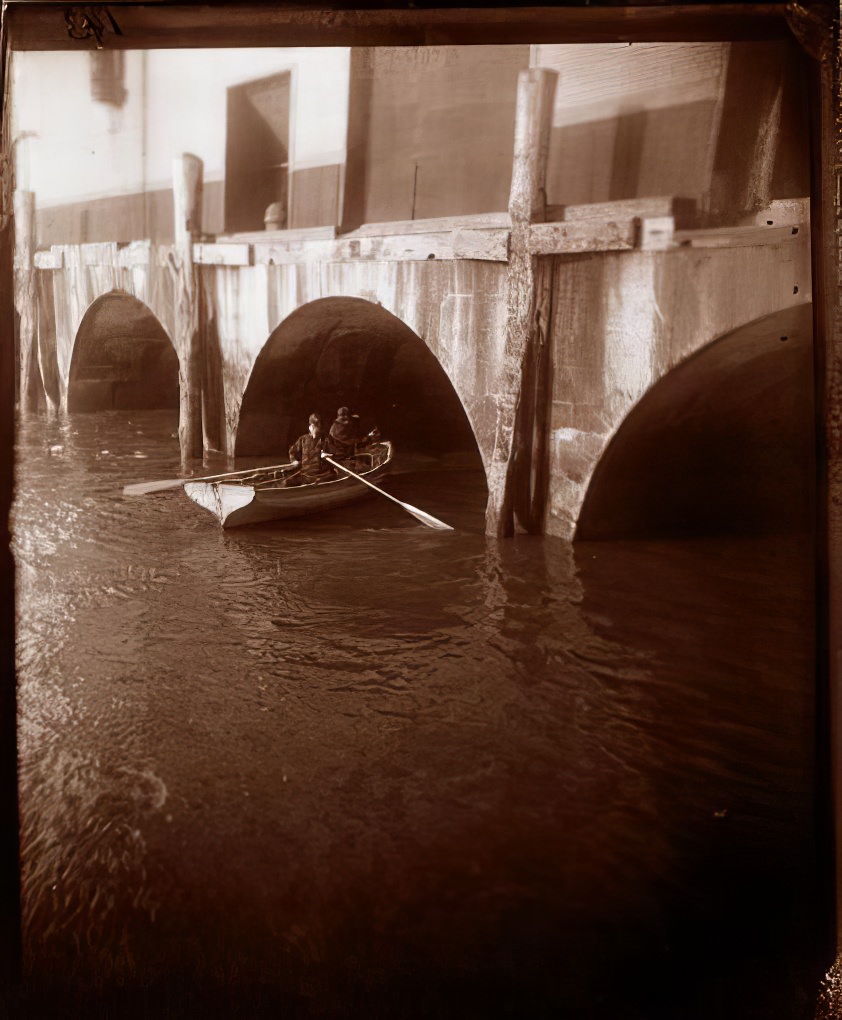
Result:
[[723, 444], [122, 358], [335, 352]]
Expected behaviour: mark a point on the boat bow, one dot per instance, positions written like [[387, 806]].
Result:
[[220, 498]]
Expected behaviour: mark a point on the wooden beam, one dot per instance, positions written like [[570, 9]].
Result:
[[187, 209], [101, 253], [476, 221], [49, 259], [44, 26], [136, 253], [738, 237], [26, 301], [259, 236], [577, 238], [484, 245], [513, 467], [683, 210], [226, 254]]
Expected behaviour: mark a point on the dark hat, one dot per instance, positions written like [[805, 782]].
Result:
[[343, 412], [315, 419]]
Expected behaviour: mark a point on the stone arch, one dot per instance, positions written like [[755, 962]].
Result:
[[724, 443], [351, 352], [122, 358]]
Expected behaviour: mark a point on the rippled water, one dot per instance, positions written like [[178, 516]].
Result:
[[351, 766]]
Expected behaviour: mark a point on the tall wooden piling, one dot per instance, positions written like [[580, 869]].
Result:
[[25, 296], [187, 201], [515, 473]]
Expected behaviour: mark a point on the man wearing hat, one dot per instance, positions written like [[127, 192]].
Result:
[[344, 434], [306, 451]]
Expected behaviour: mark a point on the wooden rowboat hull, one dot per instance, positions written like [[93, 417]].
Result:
[[235, 503]]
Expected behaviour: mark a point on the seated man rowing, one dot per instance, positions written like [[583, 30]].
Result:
[[306, 454]]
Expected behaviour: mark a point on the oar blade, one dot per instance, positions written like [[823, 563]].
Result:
[[428, 519], [144, 488]]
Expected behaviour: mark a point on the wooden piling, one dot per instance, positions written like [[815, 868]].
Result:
[[26, 303], [515, 472], [187, 201]]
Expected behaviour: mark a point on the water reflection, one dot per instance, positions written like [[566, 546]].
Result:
[[355, 766]]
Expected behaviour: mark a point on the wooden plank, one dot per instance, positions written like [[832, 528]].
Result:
[[476, 221], [42, 26], [656, 233], [485, 245], [136, 253], [103, 253], [681, 209], [588, 235], [415, 248], [288, 252], [49, 259], [273, 236], [225, 254], [188, 174], [782, 212], [735, 237]]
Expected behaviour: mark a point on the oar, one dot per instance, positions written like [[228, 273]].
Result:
[[143, 488], [428, 519]]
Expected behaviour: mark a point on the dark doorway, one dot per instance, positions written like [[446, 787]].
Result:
[[257, 153]]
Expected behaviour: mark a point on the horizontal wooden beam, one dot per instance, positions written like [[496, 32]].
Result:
[[45, 26], [48, 259], [99, 253], [225, 254], [683, 210], [294, 234], [486, 245], [135, 253], [738, 237], [585, 236], [477, 221], [406, 241]]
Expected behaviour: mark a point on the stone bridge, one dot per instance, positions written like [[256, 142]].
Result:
[[562, 355]]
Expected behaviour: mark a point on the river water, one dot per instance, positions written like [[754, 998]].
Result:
[[351, 766]]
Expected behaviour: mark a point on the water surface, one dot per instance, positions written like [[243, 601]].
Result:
[[351, 766]]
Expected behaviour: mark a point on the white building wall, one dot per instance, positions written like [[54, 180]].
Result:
[[86, 149]]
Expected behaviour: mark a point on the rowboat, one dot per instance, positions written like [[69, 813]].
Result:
[[271, 494]]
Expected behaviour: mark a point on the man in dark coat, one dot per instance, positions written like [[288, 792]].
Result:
[[344, 439], [306, 451], [344, 435]]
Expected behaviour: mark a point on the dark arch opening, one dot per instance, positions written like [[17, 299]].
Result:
[[723, 444], [122, 359], [337, 352]]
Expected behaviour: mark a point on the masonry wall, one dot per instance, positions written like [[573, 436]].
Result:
[[457, 308], [623, 321]]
